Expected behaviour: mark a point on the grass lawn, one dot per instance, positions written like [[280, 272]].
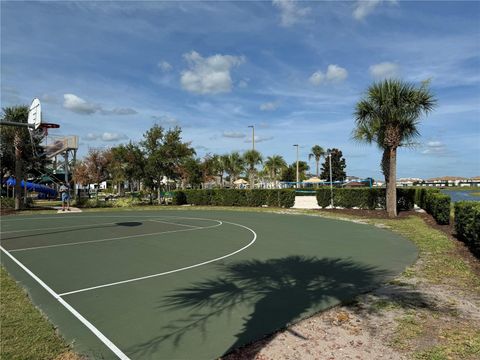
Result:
[[25, 332], [421, 332]]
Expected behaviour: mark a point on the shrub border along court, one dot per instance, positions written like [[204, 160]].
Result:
[[435, 203], [365, 198], [284, 198], [467, 224]]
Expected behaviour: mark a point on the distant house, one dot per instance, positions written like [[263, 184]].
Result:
[[408, 181], [445, 181]]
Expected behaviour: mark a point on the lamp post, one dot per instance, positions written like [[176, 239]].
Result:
[[253, 136], [331, 182], [296, 185]]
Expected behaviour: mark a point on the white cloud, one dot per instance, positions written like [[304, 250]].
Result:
[[259, 139], [166, 120], [233, 135], [165, 66], [209, 75], [317, 78], [334, 73], [78, 105], [106, 136], [434, 147], [269, 106], [363, 8], [118, 111], [291, 13], [92, 136], [384, 70]]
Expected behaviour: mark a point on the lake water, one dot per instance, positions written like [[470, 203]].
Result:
[[461, 195]]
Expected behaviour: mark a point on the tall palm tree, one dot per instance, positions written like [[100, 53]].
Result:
[[317, 153], [389, 116], [274, 166], [252, 158], [234, 165]]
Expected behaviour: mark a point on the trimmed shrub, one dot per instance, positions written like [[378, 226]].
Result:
[[7, 203], [405, 199], [437, 205], [235, 197], [467, 224], [364, 198], [125, 202]]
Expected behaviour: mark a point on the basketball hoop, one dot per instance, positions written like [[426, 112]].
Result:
[[45, 126]]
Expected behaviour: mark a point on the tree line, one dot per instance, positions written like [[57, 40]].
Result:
[[163, 156]]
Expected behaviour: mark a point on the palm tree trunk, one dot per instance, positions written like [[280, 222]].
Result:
[[391, 182], [318, 162]]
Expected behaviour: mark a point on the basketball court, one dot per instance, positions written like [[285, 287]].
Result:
[[178, 284]]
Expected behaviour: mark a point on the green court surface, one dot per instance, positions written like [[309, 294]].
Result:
[[184, 284]]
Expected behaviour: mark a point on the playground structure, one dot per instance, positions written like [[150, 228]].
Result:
[[44, 191], [61, 151]]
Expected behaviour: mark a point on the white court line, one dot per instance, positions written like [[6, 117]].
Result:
[[171, 271], [168, 222], [117, 238], [58, 227], [86, 225], [75, 313]]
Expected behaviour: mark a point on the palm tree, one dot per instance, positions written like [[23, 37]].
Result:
[[234, 165], [317, 153], [252, 158], [274, 166], [389, 116]]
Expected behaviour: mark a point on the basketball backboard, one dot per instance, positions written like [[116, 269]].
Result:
[[35, 114]]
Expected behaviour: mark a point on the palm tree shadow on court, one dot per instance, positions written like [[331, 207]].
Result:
[[278, 292]]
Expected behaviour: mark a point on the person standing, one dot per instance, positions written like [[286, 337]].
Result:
[[65, 193]]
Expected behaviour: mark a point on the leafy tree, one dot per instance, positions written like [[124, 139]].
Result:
[[125, 163], [274, 166], [96, 163], [191, 172], [209, 167], [317, 153], [252, 158], [234, 165], [338, 166], [18, 154], [389, 116], [290, 173], [134, 164], [165, 153]]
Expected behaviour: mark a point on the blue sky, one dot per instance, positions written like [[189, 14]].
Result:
[[107, 71]]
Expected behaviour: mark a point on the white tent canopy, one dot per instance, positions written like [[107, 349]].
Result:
[[240, 182], [314, 180]]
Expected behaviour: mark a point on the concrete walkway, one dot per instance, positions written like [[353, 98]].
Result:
[[72, 210], [306, 202]]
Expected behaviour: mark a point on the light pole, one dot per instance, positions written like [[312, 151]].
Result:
[[253, 136], [331, 183], [296, 185]]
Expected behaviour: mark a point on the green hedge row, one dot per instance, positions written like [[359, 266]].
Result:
[[467, 224], [365, 198], [435, 203], [236, 197]]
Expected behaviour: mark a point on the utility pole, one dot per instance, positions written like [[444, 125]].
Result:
[[253, 136], [331, 182], [298, 177]]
